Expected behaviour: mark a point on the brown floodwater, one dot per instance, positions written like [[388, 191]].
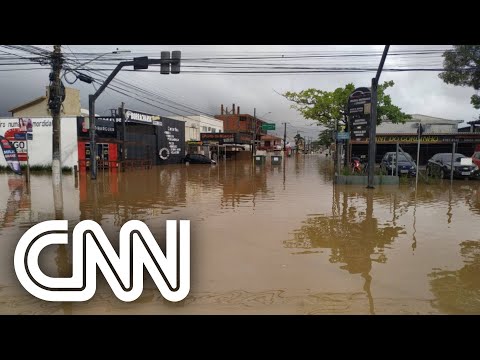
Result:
[[265, 239]]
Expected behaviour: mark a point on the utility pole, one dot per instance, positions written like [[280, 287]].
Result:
[[254, 131], [56, 96], [124, 135], [285, 139], [55, 100]]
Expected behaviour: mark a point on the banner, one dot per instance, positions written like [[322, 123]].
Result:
[[10, 155]]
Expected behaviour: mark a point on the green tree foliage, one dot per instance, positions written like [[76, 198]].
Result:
[[325, 138], [328, 107], [462, 68]]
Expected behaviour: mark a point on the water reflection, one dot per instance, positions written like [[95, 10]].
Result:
[[267, 239], [139, 195], [458, 291], [353, 235], [18, 200]]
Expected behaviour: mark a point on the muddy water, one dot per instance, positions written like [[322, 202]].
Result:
[[266, 240]]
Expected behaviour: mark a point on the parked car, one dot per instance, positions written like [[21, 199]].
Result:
[[406, 165], [198, 159], [440, 164], [476, 158]]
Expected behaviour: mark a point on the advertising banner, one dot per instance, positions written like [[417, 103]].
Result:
[[10, 155]]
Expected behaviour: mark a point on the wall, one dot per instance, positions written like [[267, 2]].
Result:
[[196, 124], [40, 148]]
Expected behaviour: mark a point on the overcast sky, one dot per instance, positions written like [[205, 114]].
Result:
[[415, 92]]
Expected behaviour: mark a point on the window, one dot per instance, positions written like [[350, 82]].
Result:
[[243, 118], [209, 128], [204, 128], [214, 130]]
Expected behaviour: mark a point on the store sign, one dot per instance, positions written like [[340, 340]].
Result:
[[135, 116], [106, 126], [221, 138], [427, 139]]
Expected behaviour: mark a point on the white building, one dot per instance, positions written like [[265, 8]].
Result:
[[431, 124], [40, 147], [196, 124]]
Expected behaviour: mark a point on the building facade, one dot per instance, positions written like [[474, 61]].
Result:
[[39, 107], [196, 124], [438, 137], [235, 122]]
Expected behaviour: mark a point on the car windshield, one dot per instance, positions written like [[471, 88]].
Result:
[[401, 157], [447, 158]]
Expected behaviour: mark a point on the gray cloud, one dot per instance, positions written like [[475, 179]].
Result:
[[414, 92]]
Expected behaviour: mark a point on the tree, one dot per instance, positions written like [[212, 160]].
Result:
[[325, 138], [462, 68], [328, 107]]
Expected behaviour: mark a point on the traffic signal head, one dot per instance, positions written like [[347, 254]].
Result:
[[175, 63], [165, 64]]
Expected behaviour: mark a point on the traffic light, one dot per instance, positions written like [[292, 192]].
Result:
[[175, 63], [140, 63], [165, 64]]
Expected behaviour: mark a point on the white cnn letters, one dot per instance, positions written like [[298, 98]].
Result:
[[123, 271]]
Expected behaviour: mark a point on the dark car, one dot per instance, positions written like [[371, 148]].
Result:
[[198, 159], [440, 164], [406, 165]]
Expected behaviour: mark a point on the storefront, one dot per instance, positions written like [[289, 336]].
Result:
[[148, 138], [430, 144]]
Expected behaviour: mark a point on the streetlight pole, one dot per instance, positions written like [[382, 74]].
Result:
[[372, 143], [95, 58], [138, 63]]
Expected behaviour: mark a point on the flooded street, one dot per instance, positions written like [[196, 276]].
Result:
[[266, 239]]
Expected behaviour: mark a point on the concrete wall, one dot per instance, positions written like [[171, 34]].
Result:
[[196, 124], [40, 148]]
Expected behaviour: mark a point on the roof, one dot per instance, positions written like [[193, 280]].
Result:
[[432, 120], [27, 104]]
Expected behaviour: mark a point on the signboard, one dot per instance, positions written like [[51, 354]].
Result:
[[221, 138], [18, 139], [343, 136], [10, 155], [26, 126], [139, 117], [359, 102], [105, 126], [425, 139], [243, 138], [170, 141], [268, 126], [359, 108]]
